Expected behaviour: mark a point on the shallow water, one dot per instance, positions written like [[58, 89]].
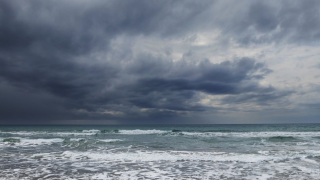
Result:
[[160, 152]]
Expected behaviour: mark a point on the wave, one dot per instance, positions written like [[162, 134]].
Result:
[[94, 131], [11, 140], [252, 134], [76, 143], [109, 131], [266, 134], [183, 156], [169, 156], [110, 140], [30, 142], [69, 142], [138, 131], [282, 138], [174, 132], [172, 165], [45, 133]]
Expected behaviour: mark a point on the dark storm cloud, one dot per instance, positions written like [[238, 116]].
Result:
[[78, 27], [50, 57], [170, 91], [224, 78], [23, 106]]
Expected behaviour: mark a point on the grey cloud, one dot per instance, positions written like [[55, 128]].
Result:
[[260, 99], [312, 105], [24, 106], [175, 92], [260, 22], [161, 88], [50, 57], [77, 27]]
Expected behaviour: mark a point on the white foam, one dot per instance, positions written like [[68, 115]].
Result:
[[253, 134], [155, 131], [110, 140], [76, 139], [171, 165], [83, 133], [40, 141], [270, 160], [138, 131], [103, 175], [33, 142], [33, 133], [173, 156], [91, 131], [25, 133]]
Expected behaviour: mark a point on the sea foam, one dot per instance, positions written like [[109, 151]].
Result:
[[138, 131]]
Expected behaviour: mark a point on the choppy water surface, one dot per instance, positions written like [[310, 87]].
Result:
[[160, 152]]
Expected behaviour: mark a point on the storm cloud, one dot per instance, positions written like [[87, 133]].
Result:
[[102, 62]]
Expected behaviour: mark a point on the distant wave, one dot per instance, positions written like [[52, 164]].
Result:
[[175, 132], [138, 131], [29, 142], [282, 138]]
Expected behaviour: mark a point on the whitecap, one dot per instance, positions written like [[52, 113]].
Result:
[[110, 140], [146, 156], [139, 131], [33, 142], [91, 131]]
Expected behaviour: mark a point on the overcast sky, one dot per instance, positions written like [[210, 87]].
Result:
[[146, 61]]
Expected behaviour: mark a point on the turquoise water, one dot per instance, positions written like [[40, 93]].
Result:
[[160, 152]]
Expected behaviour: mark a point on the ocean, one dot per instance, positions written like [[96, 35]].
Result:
[[283, 151]]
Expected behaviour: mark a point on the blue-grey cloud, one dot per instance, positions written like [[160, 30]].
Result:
[[50, 57], [273, 21]]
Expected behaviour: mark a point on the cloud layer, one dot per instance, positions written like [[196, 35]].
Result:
[[100, 62]]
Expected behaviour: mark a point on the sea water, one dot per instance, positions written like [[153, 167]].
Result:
[[289, 151]]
